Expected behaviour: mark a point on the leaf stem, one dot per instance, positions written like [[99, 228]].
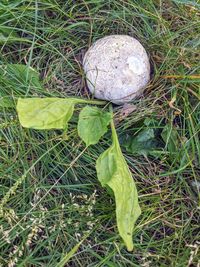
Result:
[[94, 102], [112, 125]]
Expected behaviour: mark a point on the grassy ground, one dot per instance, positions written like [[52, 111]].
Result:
[[60, 199]]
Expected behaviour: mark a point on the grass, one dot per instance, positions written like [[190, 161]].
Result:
[[60, 202]]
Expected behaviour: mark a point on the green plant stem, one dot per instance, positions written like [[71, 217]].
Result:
[[112, 125], [94, 102]]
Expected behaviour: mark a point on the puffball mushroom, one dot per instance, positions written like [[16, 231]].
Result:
[[117, 68]]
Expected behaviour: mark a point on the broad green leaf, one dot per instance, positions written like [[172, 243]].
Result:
[[106, 165], [48, 113], [92, 124], [146, 142], [143, 143], [45, 113], [113, 171]]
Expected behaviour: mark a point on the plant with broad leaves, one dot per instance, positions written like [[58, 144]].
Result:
[[112, 169], [47, 113], [146, 141], [92, 124]]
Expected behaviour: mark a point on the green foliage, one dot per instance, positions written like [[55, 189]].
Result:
[[143, 144], [170, 137], [58, 33], [19, 76], [112, 170], [92, 124], [106, 165], [146, 142], [65, 259], [45, 113], [6, 102], [8, 36], [174, 146]]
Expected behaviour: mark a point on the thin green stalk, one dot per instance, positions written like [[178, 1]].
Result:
[[93, 102]]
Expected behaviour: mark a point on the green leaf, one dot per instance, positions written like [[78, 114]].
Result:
[[92, 124], [142, 144], [48, 113], [106, 165], [45, 113], [146, 142], [113, 171]]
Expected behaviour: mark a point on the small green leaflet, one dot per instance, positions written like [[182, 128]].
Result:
[[113, 171], [45, 113], [92, 124]]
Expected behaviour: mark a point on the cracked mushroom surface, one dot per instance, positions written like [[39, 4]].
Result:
[[117, 68]]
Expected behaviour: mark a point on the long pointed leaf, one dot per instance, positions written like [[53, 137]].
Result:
[[112, 170]]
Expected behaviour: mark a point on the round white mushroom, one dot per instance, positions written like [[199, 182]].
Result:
[[117, 68]]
